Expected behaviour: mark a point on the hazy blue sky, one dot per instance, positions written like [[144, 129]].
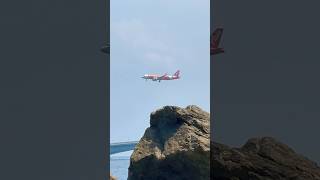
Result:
[[158, 36]]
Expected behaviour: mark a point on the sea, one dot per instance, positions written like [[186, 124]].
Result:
[[119, 165]]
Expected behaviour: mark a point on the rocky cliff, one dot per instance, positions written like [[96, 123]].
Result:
[[261, 159], [176, 146], [112, 177]]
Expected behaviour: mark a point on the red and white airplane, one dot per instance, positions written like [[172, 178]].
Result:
[[155, 77], [215, 41]]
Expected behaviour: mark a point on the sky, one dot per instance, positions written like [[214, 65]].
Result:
[[156, 37]]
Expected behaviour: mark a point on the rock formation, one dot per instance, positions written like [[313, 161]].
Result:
[[112, 177], [261, 159], [176, 146]]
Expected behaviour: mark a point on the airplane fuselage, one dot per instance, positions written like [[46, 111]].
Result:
[[155, 77]]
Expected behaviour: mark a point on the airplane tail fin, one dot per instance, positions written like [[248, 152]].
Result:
[[177, 73], [216, 37]]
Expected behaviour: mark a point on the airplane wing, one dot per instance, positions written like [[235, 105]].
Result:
[[216, 37], [161, 77]]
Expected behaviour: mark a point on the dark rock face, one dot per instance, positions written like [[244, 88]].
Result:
[[176, 146], [261, 159]]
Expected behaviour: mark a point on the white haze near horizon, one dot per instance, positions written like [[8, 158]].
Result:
[[158, 36]]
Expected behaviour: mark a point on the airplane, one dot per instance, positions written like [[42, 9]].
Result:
[[106, 48], [215, 41], [155, 77]]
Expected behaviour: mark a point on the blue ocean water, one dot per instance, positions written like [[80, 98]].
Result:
[[119, 165]]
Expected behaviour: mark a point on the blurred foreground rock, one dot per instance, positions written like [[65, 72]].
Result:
[[261, 159]]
